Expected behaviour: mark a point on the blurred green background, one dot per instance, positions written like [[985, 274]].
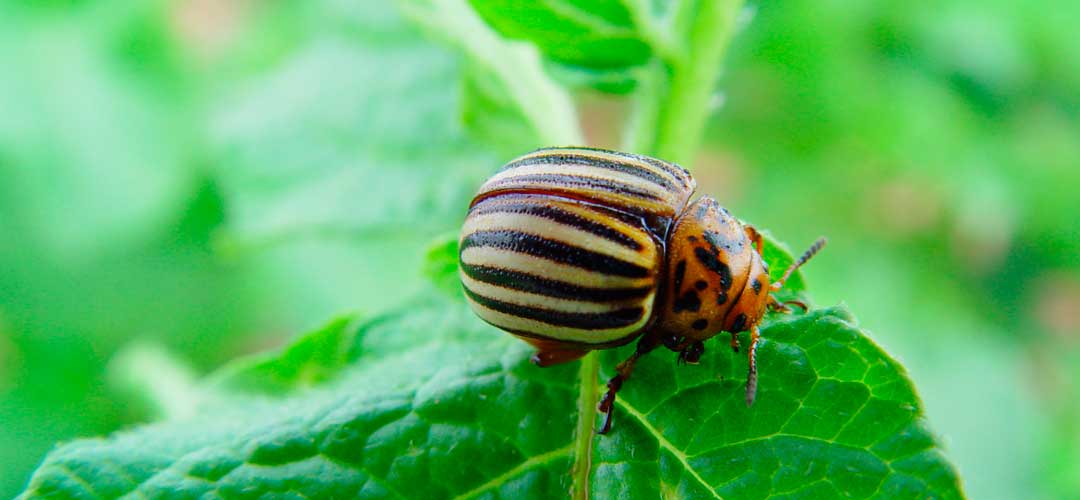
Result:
[[215, 176]]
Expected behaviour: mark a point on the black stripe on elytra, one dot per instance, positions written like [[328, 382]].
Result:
[[524, 282], [682, 174], [619, 318], [712, 263], [675, 170], [539, 196], [563, 217], [553, 250], [579, 181], [576, 160]]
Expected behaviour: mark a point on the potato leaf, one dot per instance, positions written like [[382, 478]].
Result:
[[432, 403]]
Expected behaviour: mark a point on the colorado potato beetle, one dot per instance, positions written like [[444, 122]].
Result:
[[577, 249]]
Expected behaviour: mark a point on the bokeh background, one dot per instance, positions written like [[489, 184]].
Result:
[[212, 177]]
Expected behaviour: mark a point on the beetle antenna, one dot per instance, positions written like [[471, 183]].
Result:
[[807, 255]]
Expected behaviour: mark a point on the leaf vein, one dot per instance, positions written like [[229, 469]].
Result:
[[664, 443], [63, 468], [534, 461]]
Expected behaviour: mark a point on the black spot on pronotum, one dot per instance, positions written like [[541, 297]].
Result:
[[699, 324], [757, 285], [701, 284], [712, 263], [702, 210], [688, 301], [719, 240], [680, 272], [721, 298], [691, 239], [739, 324]]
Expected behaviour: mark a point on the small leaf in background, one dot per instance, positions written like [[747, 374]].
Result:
[[441, 264], [313, 359], [430, 384], [603, 44], [780, 257], [597, 34], [148, 374]]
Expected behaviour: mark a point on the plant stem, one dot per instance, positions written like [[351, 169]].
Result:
[[583, 438], [674, 97]]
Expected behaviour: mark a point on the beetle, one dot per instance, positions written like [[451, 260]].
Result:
[[575, 249]]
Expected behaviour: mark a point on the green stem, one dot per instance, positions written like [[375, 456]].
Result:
[[583, 438], [516, 67], [675, 94]]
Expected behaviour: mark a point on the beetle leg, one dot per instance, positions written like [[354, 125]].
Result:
[[776, 306], [783, 307], [755, 237], [800, 304], [692, 354], [751, 376], [734, 342], [547, 358], [623, 371], [673, 342]]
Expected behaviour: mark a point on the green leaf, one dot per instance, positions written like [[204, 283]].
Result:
[[148, 374], [835, 418], [313, 358], [588, 33], [603, 44], [433, 403], [610, 81], [779, 257], [441, 264]]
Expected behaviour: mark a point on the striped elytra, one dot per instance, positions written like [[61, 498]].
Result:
[[577, 249]]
